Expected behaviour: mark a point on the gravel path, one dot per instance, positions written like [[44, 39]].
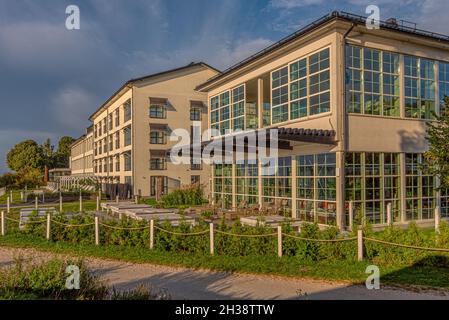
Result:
[[187, 284]]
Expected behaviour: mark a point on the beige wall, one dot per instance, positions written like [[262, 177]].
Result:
[[104, 157], [81, 159], [179, 90]]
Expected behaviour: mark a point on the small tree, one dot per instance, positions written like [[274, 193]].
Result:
[[26, 154], [437, 157]]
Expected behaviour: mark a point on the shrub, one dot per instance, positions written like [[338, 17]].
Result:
[[188, 196]]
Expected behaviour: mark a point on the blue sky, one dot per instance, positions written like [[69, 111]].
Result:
[[52, 79]]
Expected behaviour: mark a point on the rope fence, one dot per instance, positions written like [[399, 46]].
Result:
[[360, 238], [72, 225], [405, 245], [319, 240], [182, 234], [246, 235]]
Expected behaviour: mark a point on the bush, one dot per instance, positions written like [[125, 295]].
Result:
[[188, 196]]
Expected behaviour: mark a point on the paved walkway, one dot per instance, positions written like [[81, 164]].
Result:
[[187, 284]]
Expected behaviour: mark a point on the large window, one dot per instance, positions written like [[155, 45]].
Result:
[[316, 188], [238, 108], [127, 134], [279, 95], [117, 163], [127, 110], [277, 185], [372, 82], [220, 113], [443, 85], [128, 160], [419, 78], [222, 179], [372, 182], [302, 88], [247, 189], [420, 193]]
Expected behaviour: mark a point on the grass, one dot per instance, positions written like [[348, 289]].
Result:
[[26, 279], [336, 270]]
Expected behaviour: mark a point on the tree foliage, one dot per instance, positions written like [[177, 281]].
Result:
[[30, 155], [27, 154], [437, 158]]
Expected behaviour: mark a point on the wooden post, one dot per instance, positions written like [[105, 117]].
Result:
[[117, 199], [151, 234], [81, 203], [3, 223], [437, 219], [10, 196], [97, 232], [351, 215], [211, 239], [136, 199], [360, 245], [48, 225], [279, 241], [36, 203], [60, 202], [43, 197], [8, 205], [98, 203], [389, 217]]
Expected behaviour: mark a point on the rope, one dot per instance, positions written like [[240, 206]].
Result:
[[120, 228], [13, 220], [182, 234], [72, 225], [406, 246], [36, 222], [319, 240], [246, 235]]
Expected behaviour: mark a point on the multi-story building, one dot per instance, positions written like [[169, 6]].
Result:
[[82, 155], [131, 130], [350, 105]]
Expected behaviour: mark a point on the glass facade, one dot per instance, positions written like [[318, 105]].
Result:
[[372, 181], [301, 89], [420, 189], [277, 185], [372, 82], [222, 179], [316, 188], [247, 183], [443, 84]]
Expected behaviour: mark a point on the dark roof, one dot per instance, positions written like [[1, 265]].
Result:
[[130, 82], [335, 15]]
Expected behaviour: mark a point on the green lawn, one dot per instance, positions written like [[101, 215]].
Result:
[[341, 270]]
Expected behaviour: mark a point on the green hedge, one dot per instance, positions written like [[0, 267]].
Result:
[[228, 245]]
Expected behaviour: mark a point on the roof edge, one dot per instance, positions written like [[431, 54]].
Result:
[[130, 82]]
